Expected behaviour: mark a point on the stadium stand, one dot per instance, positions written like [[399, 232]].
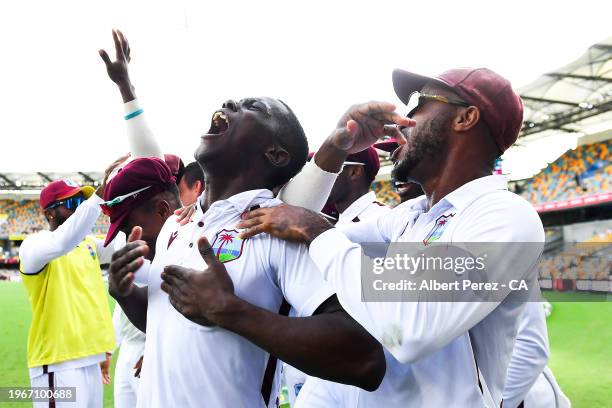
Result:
[[22, 217], [580, 172], [385, 192]]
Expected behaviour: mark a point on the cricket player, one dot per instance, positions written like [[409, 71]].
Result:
[[71, 330], [250, 277], [449, 354]]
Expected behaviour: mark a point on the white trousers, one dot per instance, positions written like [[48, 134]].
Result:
[[86, 380], [126, 385]]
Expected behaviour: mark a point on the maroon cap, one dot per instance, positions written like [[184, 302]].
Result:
[[369, 158], [175, 164], [60, 189], [388, 145], [143, 178], [500, 107]]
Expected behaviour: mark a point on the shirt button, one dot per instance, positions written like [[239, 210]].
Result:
[[191, 245], [200, 224]]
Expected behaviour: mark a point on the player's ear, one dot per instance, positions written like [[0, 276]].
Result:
[[355, 172], [162, 207], [277, 156]]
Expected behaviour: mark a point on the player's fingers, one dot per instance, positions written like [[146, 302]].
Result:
[[172, 273], [104, 57], [207, 252], [251, 232], [119, 255], [394, 118], [256, 213], [136, 234], [250, 222], [126, 282], [118, 49], [373, 107]]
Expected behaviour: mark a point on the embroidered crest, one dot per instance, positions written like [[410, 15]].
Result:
[[438, 229], [172, 238], [91, 252], [227, 246]]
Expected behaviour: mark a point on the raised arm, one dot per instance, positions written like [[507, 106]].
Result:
[[361, 126], [39, 249], [141, 140]]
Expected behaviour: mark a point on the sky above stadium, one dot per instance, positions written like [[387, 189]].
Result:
[[62, 113]]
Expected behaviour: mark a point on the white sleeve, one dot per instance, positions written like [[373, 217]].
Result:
[[141, 139], [37, 250], [310, 188], [529, 356], [105, 253], [384, 228], [412, 330], [117, 323], [302, 284]]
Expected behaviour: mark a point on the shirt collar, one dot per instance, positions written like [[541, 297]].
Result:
[[241, 201], [467, 193], [358, 206]]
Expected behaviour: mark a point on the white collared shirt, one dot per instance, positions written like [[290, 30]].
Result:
[[364, 208], [446, 350], [189, 365]]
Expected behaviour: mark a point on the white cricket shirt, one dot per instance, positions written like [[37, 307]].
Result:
[[188, 365], [364, 208], [447, 350]]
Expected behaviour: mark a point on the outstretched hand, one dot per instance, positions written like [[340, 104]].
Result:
[[118, 70], [200, 296]]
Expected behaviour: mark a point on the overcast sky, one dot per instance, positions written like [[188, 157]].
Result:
[[60, 112]]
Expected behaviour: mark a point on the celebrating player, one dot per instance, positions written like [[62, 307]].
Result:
[[448, 354]]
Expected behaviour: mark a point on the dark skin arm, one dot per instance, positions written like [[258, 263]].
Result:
[[329, 344], [287, 222], [125, 262], [118, 70]]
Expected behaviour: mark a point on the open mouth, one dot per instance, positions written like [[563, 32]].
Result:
[[403, 187], [219, 124]]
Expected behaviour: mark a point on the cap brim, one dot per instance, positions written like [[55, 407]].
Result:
[[86, 190], [405, 83], [113, 230]]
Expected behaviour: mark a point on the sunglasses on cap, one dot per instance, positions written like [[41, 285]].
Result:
[[417, 99], [70, 203], [107, 205]]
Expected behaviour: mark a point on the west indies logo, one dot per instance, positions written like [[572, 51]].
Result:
[[227, 246], [438, 229]]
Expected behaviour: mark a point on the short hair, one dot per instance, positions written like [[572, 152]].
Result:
[[192, 173], [290, 135]]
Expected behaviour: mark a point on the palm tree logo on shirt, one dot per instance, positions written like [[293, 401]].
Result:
[[227, 246]]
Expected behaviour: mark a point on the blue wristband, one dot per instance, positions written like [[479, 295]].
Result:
[[133, 114]]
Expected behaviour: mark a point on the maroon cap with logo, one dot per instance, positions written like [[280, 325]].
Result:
[[60, 189], [369, 158], [136, 183], [500, 107]]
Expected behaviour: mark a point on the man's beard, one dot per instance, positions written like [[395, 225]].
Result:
[[426, 142]]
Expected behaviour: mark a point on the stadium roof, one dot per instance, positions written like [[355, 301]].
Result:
[[572, 98], [28, 185]]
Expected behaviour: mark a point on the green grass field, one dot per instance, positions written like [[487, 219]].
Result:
[[580, 338]]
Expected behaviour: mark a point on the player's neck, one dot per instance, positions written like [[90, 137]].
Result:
[[223, 188]]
